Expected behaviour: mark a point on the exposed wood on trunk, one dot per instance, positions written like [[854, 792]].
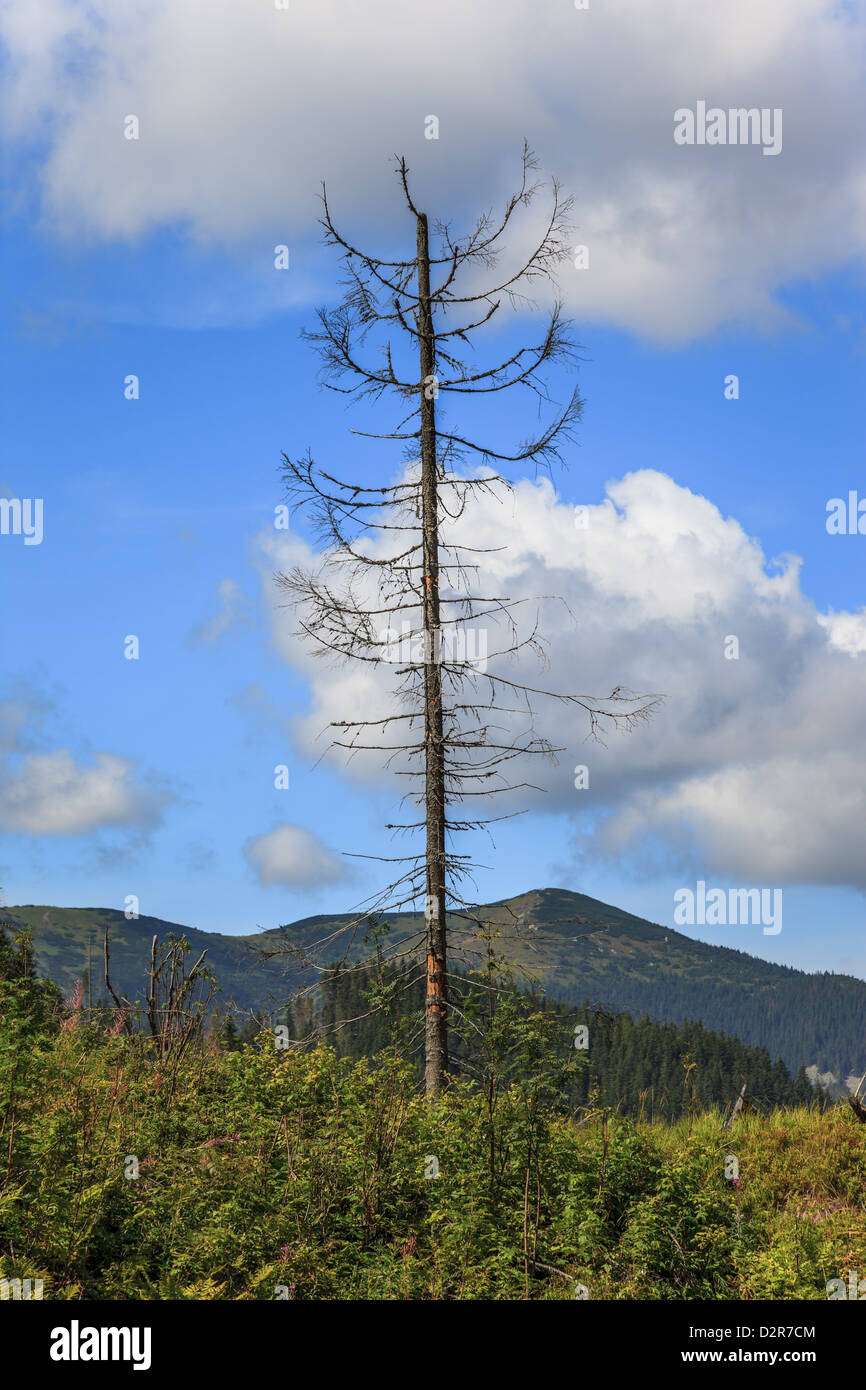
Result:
[[739, 1106]]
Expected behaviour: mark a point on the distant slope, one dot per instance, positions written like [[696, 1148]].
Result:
[[579, 948], [60, 936]]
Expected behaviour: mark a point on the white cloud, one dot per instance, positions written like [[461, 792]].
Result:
[[244, 108], [53, 794], [847, 631], [294, 856], [752, 767]]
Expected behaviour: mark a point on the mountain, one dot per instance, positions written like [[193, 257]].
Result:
[[580, 950]]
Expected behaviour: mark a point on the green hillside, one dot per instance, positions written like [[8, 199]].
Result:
[[61, 936], [580, 949]]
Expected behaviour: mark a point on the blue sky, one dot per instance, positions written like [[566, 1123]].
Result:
[[151, 505]]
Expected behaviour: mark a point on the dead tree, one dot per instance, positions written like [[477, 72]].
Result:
[[395, 553], [740, 1106], [856, 1103], [176, 1003]]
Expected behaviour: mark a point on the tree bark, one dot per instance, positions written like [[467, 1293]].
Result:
[[739, 1104], [436, 1011]]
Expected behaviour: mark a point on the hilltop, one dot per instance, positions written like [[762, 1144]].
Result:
[[580, 950]]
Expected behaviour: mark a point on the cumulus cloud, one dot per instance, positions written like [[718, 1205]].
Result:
[[293, 856], [244, 108], [754, 764], [53, 794], [847, 631]]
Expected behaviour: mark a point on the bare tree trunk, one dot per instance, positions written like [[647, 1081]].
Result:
[[739, 1104], [457, 752], [436, 1024]]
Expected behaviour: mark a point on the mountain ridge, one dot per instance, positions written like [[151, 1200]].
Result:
[[578, 948]]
